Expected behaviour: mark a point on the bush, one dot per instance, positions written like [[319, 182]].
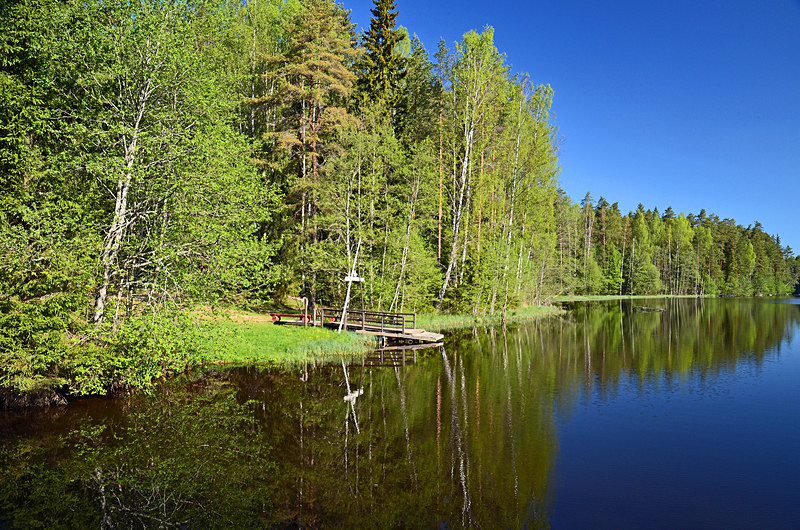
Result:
[[143, 350]]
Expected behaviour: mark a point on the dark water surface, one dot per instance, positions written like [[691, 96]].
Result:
[[610, 417]]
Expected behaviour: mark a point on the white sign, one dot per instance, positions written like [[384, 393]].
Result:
[[353, 279]]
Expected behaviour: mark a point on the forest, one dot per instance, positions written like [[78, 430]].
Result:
[[157, 156]]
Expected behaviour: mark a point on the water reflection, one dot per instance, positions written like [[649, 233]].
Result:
[[463, 435], [190, 455]]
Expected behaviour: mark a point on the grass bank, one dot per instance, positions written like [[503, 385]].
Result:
[[237, 337], [240, 337], [150, 348], [441, 322]]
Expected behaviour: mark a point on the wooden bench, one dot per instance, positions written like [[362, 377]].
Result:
[[276, 317]]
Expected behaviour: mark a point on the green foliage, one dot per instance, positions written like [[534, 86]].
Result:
[[421, 92], [46, 238], [118, 149], [593, 279], [43, 282], [612, 273], [311, 82], [159, 154], [677, 255], [382, 68], [134, 357]]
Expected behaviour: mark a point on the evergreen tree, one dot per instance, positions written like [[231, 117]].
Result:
[[47, 214], [314, 82], [421, 91], [382, 68], [612, 272], [308, 83], [644, 277], [265, 25]]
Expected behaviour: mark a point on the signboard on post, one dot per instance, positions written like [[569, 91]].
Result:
[[350, 278]]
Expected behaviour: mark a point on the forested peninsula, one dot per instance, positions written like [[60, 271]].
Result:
[[160, 156]]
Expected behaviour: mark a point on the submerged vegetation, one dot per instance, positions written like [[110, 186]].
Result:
[[156, 156]]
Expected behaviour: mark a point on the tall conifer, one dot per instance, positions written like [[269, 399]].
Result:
[[382, 69]]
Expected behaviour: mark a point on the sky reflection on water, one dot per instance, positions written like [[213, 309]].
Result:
[[713, 450]]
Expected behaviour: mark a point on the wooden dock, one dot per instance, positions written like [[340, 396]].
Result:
[[400, 327], [395, 327]]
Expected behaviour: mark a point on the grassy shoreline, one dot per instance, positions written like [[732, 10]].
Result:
[[240, 337], [148, 351], [260, 342]]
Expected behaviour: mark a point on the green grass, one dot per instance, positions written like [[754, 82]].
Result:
[[243, 337], [439, 322], [264, 342]]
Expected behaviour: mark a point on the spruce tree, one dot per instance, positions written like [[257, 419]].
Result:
[[422, 92], [382, 69]]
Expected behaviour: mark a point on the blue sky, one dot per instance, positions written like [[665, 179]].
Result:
[[689, 104]]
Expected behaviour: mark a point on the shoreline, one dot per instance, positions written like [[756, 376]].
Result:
[[246, 338]]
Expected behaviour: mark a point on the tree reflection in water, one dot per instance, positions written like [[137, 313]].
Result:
[[464, 436]]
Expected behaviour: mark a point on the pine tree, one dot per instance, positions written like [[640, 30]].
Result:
[[314, 83]]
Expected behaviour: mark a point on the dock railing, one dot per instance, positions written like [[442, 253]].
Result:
[[371, 320]]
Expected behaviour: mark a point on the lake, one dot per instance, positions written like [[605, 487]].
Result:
[[657, 413]]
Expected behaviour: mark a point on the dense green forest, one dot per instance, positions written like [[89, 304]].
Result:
[[157, 156]]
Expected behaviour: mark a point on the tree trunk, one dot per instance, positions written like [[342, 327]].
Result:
[[405, 248], [459, 212], [112, 244], [119, 223]]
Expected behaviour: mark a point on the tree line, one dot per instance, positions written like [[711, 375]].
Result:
[[157, 155], [646, 252]]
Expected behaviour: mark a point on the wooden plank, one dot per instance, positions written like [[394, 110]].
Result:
[[376, 333], [410, 347], [414, 331], [426, 337]]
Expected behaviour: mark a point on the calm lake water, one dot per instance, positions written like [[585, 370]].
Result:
[[610, 417]]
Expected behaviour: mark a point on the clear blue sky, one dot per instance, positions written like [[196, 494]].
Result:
[[689, 104]]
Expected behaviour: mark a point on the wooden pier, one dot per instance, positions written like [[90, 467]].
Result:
[[396, 327]]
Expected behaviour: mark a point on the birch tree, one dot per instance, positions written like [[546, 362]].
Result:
[[144, 104], [478, 75]]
